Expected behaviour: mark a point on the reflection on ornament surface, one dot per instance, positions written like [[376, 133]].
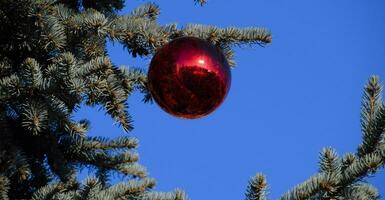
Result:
[[189, 77]]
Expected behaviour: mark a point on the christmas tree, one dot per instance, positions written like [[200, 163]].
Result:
[[53, 58]]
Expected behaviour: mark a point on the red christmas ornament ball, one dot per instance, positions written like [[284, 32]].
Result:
[[189, 77]]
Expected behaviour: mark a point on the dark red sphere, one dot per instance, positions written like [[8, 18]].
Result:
[[189, 77]]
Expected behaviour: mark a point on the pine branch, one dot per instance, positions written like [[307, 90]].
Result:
[[339, 178], [4, 187], [91, 189], [372, 117], [348, 160], [256, 190], [361, 192], [94, 66], [141, 37], [115, 105], [329, 184], [34, 118], [47, 192], [147, 10], [231, 35], [108, 144], [317, 183], [329, 162], [54, 36], [364, 166], [177, 195], [95, 152], [10, 87], [138, 35], [131, 188], [58, 190], [31, 74]]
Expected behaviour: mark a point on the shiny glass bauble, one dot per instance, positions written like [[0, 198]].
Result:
[[189, 77]]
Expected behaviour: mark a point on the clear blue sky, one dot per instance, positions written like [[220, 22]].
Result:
[[287, 100]]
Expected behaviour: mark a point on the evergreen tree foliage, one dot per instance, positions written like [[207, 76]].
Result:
[[256, 189], [343, 178], [53, 59]]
